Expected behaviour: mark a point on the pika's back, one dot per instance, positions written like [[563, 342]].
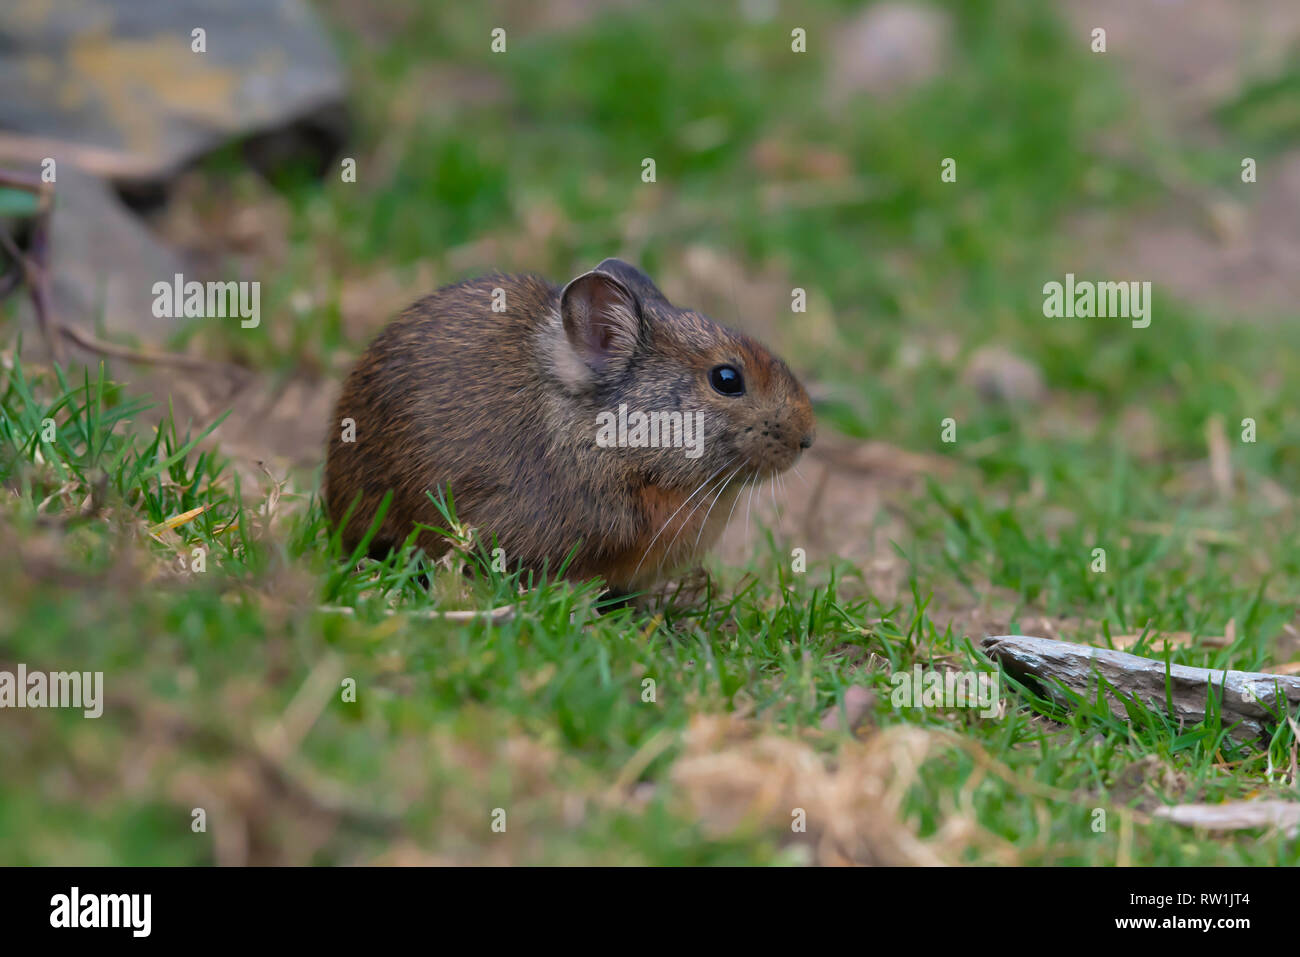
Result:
[[472, 334], [445, 388]]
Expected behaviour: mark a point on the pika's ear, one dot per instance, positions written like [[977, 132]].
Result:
[[602, 320], [640, 284]]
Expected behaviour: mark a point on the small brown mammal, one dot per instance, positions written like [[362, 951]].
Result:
[[529, 414]]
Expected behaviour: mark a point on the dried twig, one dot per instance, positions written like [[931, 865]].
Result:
[[495, 616], [1250, 701], [1236, 816], [31, 264], [33, 268], [237, 374]]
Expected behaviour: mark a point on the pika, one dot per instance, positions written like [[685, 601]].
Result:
[[597, 419]]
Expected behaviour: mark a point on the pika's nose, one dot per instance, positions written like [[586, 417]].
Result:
[[807, 441]]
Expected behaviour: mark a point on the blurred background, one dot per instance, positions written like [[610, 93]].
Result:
[[775, 170]]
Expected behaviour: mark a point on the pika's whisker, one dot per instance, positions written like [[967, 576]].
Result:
[[669, 519], [748, 505], [687, 520], [721, 489], [739, 495]]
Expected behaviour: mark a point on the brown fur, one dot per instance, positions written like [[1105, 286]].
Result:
[[501, 407]]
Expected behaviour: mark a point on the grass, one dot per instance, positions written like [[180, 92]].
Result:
[[227, 686]]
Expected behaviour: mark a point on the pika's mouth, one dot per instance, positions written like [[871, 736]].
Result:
[[768, 466], [773, 447]]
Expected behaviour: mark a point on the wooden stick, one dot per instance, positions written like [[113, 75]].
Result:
[[1251, 700], [33, 266], [494, 616]]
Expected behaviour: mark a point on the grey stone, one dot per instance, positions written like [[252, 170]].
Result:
[[889, 48], [114, 86], [996, 373]]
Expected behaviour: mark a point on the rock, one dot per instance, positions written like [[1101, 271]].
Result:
[[858, 702], [889, 48], [105, 261], [114, 93], [114, 87], [996, 373]]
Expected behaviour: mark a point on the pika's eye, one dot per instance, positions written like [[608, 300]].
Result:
[[726, 380]]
